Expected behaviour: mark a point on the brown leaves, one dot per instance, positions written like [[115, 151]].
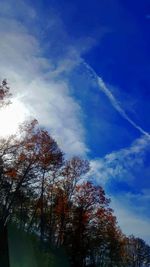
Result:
[[88, 195], [22, 157], [12, 173]]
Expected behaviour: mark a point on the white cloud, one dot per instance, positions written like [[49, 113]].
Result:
[[117, 106], [129, 221], [119, 164], [131, 209], [37, 84], [115, 103], [35, 81]]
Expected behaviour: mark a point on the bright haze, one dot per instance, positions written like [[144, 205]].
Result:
[[82, 69]]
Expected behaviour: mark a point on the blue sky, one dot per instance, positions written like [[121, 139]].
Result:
[[82, 68]]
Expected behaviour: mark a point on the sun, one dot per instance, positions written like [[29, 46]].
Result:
[[11, 117]]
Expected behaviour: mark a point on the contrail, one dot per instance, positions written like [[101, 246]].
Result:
[[113, 100]]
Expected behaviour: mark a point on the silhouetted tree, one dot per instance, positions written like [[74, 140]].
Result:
[[44, 194]]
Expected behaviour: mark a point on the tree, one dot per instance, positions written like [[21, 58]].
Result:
[[138, 252], [4, 94], [4, 100], [71, 173], [44, 194]]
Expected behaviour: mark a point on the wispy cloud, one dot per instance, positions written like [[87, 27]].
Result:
[[130, 221], [37, 81], [115, 103], [118, 107], [120, 164], [40, 85], [131, 209]]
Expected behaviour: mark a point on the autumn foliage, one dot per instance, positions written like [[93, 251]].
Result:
[[43, 193]]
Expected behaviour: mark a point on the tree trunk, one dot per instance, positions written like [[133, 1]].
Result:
[[4, 250]]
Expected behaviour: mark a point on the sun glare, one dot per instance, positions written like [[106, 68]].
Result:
[[11, 117]]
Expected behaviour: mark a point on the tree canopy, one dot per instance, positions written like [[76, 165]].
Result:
[[44, 194]]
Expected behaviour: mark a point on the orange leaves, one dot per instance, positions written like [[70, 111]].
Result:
[[22, 157], [29, 146], [42, 148], [89, 195], [12, 173]]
